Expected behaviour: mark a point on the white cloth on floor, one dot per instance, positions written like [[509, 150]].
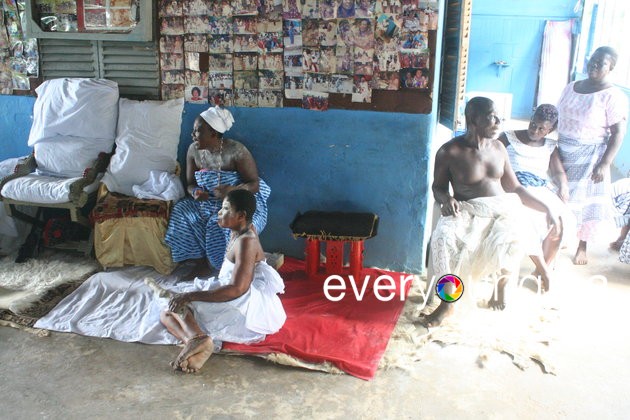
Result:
[[121, 306]]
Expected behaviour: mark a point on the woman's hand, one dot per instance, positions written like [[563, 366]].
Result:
[[220, 191], [599, 171], [199, 194], [178, 302], [451, 207], [553, 223]]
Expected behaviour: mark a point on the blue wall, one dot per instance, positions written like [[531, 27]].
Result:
[[339, 160], [16, 117], [512, 31], [335, 160]]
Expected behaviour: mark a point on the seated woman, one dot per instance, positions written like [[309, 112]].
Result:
[[532, 156], [214, 166], [240, 305]]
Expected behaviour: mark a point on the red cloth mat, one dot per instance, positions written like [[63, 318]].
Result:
[[350, 334]]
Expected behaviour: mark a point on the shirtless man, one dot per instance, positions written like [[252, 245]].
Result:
[[476, 166]]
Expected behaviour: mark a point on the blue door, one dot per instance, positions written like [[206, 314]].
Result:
[[505, 44]]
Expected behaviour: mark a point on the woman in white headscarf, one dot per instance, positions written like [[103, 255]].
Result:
[[215, 165]]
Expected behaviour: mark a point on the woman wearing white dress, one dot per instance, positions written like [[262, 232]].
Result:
[[242, 301], [534, 158]]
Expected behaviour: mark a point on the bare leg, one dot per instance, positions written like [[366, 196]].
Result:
[[622, 236], [198, 346], [497, 301], [551, 245], [580, 254], [435, 318], [542, 270]]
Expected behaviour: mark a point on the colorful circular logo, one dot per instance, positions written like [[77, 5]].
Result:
[[449, 288]]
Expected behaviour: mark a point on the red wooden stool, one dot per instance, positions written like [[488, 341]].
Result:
[[335, 229]]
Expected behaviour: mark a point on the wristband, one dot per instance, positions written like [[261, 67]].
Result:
[[195, 190]]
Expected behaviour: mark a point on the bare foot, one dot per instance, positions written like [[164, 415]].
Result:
[[188, 348], [580, 254], [616, 246], [194, 355], [544, 282], [497, 301], [435, 318], [545, 279]]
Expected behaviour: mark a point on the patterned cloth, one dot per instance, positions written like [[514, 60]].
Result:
[[589, 201], [193, 231], [528, 179], [489, 234], [115, 206], [588, 116], [529, 159], [621, 201], [583, 136], [624, 252]]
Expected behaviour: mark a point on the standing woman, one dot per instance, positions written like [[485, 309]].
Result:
[[592, 124]]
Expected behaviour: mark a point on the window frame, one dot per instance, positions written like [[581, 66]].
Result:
[[143, 31]]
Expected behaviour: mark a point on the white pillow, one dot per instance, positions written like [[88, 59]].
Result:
[[148, 135], [68, 157], [73, 121]]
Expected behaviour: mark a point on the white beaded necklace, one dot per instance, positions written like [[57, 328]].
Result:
[[212, 160]]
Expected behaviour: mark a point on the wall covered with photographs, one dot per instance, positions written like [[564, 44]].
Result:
[[315, 54], [18, 55]]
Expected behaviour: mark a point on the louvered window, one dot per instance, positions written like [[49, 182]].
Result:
[[133, 65]]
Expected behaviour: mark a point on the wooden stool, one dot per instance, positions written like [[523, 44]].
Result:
[[335, 229]]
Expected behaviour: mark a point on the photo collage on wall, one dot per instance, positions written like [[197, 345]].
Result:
[[19, 58], [257, 53]]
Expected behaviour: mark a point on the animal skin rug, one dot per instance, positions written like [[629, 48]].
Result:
[[32, 288], [524, 330]]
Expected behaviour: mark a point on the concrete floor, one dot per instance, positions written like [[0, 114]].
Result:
[[65, 376]]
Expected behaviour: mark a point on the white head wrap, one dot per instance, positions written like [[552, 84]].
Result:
[[219, 118]]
